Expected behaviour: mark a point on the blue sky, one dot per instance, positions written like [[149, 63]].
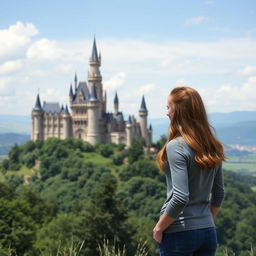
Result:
[[147, 47]]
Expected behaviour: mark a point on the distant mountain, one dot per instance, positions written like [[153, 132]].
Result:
[[237, 127], [7, 140]]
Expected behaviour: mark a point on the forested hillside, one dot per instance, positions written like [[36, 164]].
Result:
[[57, 192]]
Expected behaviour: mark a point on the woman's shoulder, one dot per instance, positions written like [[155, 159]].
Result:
[[179, 144], [178, 141]]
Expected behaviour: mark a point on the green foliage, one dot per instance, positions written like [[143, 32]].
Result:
[[105, 150], [13, 181], [136, 152], [83, 197], [160, 143], [118, 159]]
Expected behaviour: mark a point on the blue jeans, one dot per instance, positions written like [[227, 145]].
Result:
[[198, 242]]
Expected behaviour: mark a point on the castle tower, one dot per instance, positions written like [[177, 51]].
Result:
[[143, 113], [93, 134], [116, 104], [66, 122], [128, 129], [37, 120], [94, 75]]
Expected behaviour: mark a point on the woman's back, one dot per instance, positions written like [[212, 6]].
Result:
[[189, 187]]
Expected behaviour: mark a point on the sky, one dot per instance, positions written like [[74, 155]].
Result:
[[148, 47]]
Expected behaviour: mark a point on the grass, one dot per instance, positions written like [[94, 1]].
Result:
[[242, 164]]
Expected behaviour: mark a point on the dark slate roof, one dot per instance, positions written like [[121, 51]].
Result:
[[119, 117], [94, 56], [108, 117], [116, 101], [51, 107], [71, 91], [38, 103], [66, 110], [150, 127], [75, 78], [81, 87], [93, 96], [143, 107], [62, 108]]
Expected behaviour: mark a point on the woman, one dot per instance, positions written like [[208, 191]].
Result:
[[192, 162]]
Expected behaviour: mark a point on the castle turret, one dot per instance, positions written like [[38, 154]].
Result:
[[66, 122], [143, 113], [128, 129], [75, 80], [93, 135], [37, 120], [116, 104], [94, 75]]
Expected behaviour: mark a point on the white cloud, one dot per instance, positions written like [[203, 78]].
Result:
[[145, 89], [196, 20], [44, 49], [182, 82], [10, 66], [15, 38], [248, 70], [114, 82], [228, 97], [5, 86]]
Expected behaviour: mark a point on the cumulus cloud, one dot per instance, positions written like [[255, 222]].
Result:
[[44, 49], [116, 81], [196, 20], [248, 70], [145, 89], [15, 38], [10, 67]]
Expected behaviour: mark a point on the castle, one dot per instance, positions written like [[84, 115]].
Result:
[[88, 118]]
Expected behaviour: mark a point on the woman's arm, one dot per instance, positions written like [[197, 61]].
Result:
[[179, 175], [164, 222], [214, 211]]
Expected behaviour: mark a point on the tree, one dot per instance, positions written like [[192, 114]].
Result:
[[136, 151]]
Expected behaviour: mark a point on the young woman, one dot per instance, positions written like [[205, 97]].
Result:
[[192, 162]]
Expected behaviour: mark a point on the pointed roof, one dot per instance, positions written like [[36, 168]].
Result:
[[93, 96], [94, 56], [38, 103], [130, 119], [62, 108], [116, 101], [66, 110], [71, 91], [143, 107], [150, 127], [75, 78]]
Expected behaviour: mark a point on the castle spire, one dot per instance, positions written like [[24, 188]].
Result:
[[143, 107], [116, 100], [38, 103], [75, 80], [71, 91], [94, 57]]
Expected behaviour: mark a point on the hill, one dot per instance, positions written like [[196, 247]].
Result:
[[68, 174]]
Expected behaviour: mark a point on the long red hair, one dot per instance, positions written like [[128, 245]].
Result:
[[190, 121]]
